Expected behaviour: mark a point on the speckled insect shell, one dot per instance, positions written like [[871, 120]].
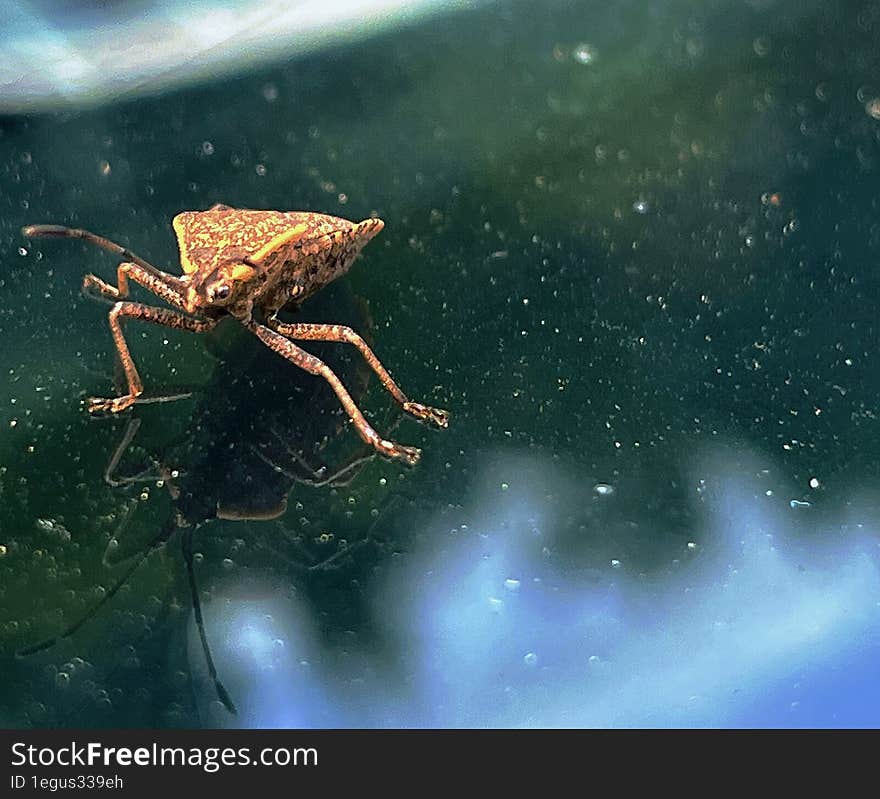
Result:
[[282, 255], [248, 265]]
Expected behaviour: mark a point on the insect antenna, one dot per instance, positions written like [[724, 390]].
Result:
[[59, 231], [222, 694], [157, 542]]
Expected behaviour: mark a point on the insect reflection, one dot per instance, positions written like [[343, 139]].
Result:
[[253, 435]]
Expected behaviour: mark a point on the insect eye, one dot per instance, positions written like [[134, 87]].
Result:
[[222, 292]]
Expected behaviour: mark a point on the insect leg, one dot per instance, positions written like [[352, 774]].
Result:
[[341, 333], [155, 544], [169, 288], [146, 313], [313, 365], [222, 695]]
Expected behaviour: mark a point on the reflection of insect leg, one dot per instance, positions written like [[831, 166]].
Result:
[[316, 366], [222, 694], [343, 334], [146, 313], [110, 472], [156, 543], [317, 478], [158, 472], [331, 561], [144, 476]]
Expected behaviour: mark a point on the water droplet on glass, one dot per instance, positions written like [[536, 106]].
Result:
[[761, 46], [584, 54]]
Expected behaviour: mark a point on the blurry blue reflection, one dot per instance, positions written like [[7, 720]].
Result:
[[54, 55], [263, 647], [771, 619]]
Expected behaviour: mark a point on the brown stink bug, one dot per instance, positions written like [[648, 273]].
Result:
[[248, 265]]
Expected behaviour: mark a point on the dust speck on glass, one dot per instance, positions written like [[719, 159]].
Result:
[[631, 247]]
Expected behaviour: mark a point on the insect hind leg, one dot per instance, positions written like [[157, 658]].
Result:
[[313, 365], [344, 334]]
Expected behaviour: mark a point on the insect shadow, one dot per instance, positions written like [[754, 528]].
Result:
[[255, 432]]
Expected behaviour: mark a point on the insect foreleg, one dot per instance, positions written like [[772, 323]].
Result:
[[313, 365], [167, 287], [341, 333], [146, 313]]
